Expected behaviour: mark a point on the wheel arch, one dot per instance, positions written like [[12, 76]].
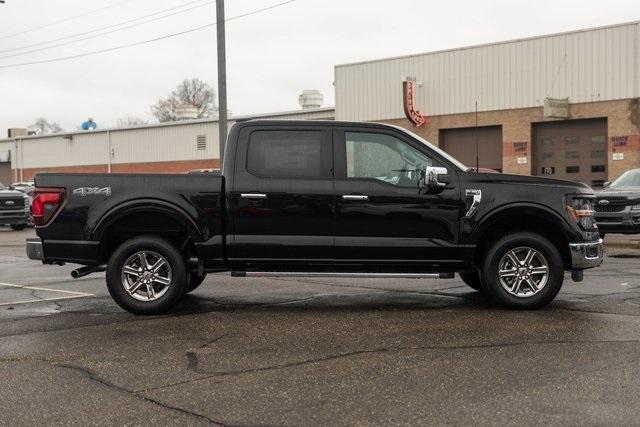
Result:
[[142, 217], [532, 218]]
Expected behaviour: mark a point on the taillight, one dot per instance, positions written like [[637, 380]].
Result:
[[45, 204]]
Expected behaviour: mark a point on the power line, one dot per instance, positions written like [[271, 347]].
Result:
[[70, 18], [109, 26], [106, 32], [191, 30]]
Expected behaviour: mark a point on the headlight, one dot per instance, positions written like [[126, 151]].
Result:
[[581, 211]]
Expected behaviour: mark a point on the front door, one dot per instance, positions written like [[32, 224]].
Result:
[[384, 217], [282, 201]]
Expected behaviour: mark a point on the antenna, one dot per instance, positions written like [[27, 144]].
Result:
[[476, 136]]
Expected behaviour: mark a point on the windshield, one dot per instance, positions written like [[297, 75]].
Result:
[[628, 179], [442, 153]]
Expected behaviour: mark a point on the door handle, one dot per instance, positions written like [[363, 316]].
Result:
[[355, 197], [253, 195]]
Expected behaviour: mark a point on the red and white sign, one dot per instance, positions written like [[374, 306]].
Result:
[[410, 111]]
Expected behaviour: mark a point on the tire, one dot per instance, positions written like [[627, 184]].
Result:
[[168, 284], [523, 287], [194, 281], [602, 235], [472, 279], [18, 227]]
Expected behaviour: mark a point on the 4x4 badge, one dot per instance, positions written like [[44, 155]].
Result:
[[92, 191]]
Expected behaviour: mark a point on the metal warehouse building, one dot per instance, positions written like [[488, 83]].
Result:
[[563, 105], [161, 148]]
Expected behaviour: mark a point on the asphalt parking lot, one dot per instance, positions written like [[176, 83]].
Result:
[[316, 352]]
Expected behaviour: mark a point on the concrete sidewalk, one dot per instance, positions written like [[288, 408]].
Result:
[[622, 245]]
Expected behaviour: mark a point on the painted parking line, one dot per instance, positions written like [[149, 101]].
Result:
[[70, 294]]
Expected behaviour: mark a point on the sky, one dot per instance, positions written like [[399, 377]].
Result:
[[271, 56]]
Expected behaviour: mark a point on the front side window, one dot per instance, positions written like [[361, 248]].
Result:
[[385, 158], [288, 154]]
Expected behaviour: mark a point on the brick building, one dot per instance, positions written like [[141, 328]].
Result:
[[563, 105]]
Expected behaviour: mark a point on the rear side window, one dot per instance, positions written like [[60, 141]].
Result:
[[288, 154]]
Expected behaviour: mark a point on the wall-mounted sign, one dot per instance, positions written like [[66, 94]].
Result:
[[520, 147], [617, 156], [522, 160], [410, 111], [556, 108], [619, 141], [5, 156]]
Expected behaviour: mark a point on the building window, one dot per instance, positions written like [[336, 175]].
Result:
[[201, 142], [573, 169], [572, 155], [571, 141], [597, 168]]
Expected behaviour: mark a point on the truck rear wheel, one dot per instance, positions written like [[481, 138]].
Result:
[[523, 271], [472, 279], [146, 275]]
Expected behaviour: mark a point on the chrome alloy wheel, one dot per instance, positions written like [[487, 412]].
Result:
[[523, 272], [146, 276]]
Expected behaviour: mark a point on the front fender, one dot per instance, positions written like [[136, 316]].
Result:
[[475, 228]]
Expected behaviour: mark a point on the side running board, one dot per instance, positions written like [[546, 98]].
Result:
[[345, 275]]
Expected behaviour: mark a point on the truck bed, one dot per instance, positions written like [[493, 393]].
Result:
[[92, 202]]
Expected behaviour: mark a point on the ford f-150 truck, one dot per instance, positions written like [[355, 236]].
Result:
[[14, 208], [318, 199]]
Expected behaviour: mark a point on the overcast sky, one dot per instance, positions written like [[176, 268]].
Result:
[[271, 56]]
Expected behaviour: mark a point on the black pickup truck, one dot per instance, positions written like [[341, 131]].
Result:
[[319, 199]]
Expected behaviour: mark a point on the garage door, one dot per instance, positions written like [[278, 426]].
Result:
[[461, 144], [5, 173], [571, 149]]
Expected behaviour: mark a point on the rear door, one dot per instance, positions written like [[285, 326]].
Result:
[[282, 200]]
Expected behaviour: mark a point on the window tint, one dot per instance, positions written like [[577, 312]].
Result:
[[294, 154], [385, 158]]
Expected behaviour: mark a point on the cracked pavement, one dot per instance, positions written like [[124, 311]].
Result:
[[289, 351]]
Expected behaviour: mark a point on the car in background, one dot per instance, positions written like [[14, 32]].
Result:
[[14, 208], [617, 205], [26, 188]]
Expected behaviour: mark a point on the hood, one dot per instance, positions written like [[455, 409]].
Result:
[[618, 195], [10, 193], [538, 181], [621, 191]]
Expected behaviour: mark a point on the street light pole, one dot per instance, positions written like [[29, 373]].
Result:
[[222, 78]]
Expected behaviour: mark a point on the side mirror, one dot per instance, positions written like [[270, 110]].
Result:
[[436, 178], [606, 184]]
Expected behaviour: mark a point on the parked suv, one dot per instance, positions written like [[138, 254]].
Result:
[[319, 199], [14, 208]]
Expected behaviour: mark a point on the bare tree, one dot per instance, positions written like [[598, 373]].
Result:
[[131, 121], [194, 92], [42, 126]]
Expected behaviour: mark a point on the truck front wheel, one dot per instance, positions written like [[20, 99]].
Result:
[[146, 275], [523, 271]]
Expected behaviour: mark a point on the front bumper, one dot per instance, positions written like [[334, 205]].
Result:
[[586, 255], [13, 217], [34, 249], [625, 220]]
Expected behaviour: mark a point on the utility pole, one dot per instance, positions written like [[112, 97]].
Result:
[[222, 79]]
